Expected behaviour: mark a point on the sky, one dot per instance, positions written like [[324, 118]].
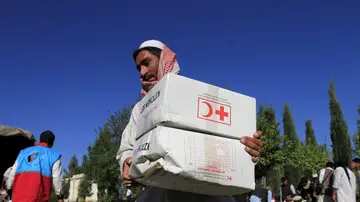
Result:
[[66, 64]]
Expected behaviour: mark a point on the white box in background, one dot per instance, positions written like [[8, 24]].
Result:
[[181, 102], [192, 162]]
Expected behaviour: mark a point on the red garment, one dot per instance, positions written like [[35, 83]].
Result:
[[34, 183]]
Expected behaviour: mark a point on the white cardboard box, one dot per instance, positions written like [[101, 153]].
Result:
[[192, 162], [181, 102]]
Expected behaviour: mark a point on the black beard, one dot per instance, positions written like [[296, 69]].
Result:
[[147, 87]]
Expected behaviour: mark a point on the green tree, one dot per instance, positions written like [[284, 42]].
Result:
[[102, 167], [341, 144], [310, 138], [84, 189], [291, 146], [272, 155], [356, 137], [289, 129], [73, 166], [308, 159], [266, 122], [84, 164]]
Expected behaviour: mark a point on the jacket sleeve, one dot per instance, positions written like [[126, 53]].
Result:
[[57, 177], [127, 140]]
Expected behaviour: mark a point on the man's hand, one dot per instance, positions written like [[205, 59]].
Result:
[[126, 170], [3, 195], [253, 145], [334, 195]]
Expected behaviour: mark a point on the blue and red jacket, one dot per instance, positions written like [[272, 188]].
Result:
[[33, 175]]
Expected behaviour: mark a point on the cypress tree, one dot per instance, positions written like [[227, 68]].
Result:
[[356, 137], [292, 139], [341, 145], [310, 138], [291, 142]]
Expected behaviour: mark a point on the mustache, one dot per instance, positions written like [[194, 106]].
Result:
[[147, 76]]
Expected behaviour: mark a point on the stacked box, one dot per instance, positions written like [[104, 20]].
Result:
[[187, 138]]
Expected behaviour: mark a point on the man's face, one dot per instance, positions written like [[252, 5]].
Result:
[[353, 165], [147, 64]]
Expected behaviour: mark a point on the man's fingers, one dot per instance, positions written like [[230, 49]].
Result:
[[252, 143], [126, 177], [257, 134], [127, 181], [252, 152], [255, 159], [128, 160], [126, 168]]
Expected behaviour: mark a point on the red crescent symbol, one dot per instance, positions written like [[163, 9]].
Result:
[[210, 110]]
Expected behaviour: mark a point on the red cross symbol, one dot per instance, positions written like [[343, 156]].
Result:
[[229, 178], [222, 113]]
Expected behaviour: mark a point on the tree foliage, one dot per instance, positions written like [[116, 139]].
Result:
[[340, 137], [85, 188], [308, 159], [289, 129], [101, 166], [272, 154], [73, 166], [85, 164], [356, 137], [310, 138], [276, 161], [291, 146]]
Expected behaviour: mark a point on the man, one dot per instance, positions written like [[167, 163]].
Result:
[[344, 187], [287, 190], [324, 183], [305, 189], [153, 60], [35, 171], [261, 194]]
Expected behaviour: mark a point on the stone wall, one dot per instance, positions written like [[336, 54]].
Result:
[[75, 181]]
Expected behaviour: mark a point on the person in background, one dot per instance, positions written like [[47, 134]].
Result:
[[153, 60], [357, 170], [344, 186], [314, 176], [5, 192], [290, 198], [261, 194], [305, 189], [287, 190], [35, 171], [324, 183], [242, 197], [356, 166]]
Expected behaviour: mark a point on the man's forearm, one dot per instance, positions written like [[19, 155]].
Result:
[[334, 195], [126, 146]]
